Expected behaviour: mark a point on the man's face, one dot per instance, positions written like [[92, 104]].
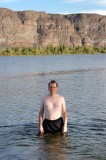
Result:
[[53, 88]]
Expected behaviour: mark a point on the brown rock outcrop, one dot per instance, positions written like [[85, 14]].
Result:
[[31, 28]]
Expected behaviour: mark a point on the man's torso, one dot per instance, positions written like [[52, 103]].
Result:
[[53, 106]]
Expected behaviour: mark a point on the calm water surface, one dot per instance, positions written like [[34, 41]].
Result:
[[23, 82]]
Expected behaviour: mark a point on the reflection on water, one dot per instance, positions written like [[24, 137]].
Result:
[[81, 142], [29, 144], [54, 145], [23, 82]]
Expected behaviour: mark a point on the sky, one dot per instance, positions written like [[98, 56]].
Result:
[[57, 6]]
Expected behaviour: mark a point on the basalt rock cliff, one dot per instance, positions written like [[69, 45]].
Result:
[[31, 28]]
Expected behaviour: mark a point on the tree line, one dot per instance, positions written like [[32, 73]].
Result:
[[50, 49]]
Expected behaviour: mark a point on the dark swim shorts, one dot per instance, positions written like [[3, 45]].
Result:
[[53, 126]]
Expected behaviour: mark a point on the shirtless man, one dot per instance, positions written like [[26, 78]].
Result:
[[53, 105]]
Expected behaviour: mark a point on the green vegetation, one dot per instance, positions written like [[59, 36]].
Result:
[[62, 49]]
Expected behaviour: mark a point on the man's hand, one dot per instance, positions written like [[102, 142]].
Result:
[[41, 129], [64, 129]]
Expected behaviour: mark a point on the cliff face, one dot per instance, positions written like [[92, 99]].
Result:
[[31, 28]]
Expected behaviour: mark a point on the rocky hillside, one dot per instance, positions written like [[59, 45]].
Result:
[[31, 28]]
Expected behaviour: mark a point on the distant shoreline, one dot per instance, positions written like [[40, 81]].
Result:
[[50, 50]]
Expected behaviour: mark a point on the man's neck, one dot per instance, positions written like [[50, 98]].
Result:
[[53, 95]]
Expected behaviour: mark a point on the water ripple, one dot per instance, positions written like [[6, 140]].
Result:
[[51, 73]]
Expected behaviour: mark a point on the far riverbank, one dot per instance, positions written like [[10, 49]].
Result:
[[62, 49]]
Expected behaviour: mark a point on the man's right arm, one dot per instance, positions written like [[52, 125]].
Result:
[[41, 130]]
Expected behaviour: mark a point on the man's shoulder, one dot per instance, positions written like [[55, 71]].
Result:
[[45, 97], [60, 96]]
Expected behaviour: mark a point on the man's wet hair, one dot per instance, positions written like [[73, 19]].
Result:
[[51, 82]]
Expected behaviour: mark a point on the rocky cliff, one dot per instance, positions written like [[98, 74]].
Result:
[[31, 28]]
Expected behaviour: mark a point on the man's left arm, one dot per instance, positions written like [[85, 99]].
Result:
[[64, 113]]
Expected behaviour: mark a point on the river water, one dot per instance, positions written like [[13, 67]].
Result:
[[23, 82]]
